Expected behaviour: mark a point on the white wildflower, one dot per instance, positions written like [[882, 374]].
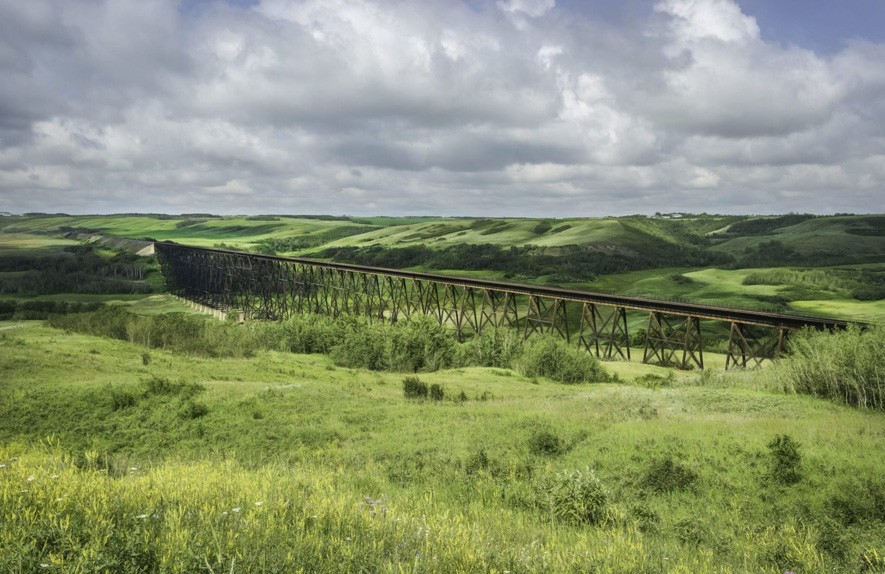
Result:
[[31, 478], [142, 516], [237, 509], [259, 503]]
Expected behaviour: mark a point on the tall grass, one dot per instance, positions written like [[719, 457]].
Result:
[[418, 344], [848, 367]]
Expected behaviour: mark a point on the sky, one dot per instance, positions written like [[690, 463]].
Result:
[[525, 108]]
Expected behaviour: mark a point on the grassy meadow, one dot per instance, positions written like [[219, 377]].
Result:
[[703, 258], [131, 459], [137, 435]]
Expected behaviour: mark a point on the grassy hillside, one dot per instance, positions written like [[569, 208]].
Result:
[[827, 240], [704, 258], [162, 462]]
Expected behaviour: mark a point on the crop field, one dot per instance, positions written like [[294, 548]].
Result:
[[137, 435]]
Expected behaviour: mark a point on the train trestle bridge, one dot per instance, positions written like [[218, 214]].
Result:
[[274, 288]]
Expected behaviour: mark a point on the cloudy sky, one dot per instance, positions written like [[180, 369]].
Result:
[[447, 107]]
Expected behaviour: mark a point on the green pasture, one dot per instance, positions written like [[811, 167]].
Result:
[[25, 243], [122, 458], [854, 237]]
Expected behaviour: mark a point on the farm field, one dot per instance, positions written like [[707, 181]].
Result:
[[116, 455]]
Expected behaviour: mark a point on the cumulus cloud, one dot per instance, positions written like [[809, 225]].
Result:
[[507, 107]]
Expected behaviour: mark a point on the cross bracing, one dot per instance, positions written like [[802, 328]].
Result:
[[274, 288]]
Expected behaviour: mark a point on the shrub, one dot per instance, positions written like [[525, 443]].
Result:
[[193, 410], [574, 496], [122, 398], [491, 348], [848, 366], [784, 463], [436, 392], [477, 462], [667, 475], [362, 345], [419, 344], [414, 388], [546, 442], [554, 358], [542, 227], [160, 386]]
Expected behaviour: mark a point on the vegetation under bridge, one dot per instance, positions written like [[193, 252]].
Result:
[[274, 288]]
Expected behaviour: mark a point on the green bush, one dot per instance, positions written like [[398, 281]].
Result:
[[122, 398], [553, 358], [848, 366], [436, 392], [574, 496], [419, 344], [546, 443], [414, 388], [160, 386], [785, 461], [362, 345], [542, 227], [491, 348], [667, 475]]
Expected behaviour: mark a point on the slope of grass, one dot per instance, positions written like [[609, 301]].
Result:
[[823, 240], [152, 452]]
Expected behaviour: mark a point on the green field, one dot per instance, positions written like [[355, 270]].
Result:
[[521, 476], [178, 443]]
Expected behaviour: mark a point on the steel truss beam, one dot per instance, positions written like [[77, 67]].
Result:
[[747, 348], [546, 316], [265, 287], [667, 336], [609, 331]]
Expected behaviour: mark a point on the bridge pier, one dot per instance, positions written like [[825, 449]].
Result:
[[748, 350], [668, 336]]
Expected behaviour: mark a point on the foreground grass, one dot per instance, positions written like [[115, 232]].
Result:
[[351, 476]]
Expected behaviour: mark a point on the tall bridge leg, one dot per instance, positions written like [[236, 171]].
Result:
[[667, 336], [749, 347], [546, 316], [610, 330]]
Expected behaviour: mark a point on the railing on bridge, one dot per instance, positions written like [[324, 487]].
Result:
[[268, 287]]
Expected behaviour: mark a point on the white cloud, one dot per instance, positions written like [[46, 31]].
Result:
[[533, 8], [438, 107]]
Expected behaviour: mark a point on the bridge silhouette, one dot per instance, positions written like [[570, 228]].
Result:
[[274, 288]]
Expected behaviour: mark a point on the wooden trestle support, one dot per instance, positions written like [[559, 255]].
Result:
[[274, 288]]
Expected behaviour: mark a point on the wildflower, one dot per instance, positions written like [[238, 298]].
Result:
[[259, 503], [143, 516], [133, 468], [44, 565], [59, 499], [54, 476], [2, 466], [237, 509], [30, 478], [348, 538]]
